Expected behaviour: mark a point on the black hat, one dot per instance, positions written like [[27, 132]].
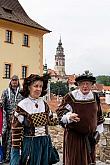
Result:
[[86, 76]]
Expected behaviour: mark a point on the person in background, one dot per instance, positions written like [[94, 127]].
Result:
[[81, 116], [30, 139], [10, 98]]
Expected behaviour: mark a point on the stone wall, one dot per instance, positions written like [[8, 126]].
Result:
[[102, 148], [56, 133]]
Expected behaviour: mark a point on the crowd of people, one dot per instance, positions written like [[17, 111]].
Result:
[[26, 117]]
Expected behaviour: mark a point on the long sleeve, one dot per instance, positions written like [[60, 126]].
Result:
[[100, 116], [100, 128], [17, 131], [64, 110]]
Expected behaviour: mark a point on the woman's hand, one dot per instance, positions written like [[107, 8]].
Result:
[[74, 117]]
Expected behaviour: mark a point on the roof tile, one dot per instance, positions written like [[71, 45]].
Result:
[[12, 10]]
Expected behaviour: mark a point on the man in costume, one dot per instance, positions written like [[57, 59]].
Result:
[[10, 98], [81, 116]]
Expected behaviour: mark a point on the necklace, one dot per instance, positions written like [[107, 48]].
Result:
[[36, 105], [35, 101]]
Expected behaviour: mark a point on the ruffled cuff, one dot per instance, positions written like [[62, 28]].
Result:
[[65, 119], [100, 128]]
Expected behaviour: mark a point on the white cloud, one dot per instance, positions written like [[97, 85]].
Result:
[[84, 27]]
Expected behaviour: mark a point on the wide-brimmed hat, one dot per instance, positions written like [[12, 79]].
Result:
[[86, 76]]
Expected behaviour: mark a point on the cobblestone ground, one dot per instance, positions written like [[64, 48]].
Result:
[[60, 163], [98, 162]]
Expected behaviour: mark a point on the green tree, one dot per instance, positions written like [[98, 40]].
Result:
[[102, 79], [59, 88]]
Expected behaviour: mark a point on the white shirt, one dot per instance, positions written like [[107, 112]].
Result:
[[28, 104]]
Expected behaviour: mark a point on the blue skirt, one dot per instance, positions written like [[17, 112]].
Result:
[[34, 152]]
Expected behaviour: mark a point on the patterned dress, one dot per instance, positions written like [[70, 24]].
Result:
[[10, 100], [77, 148], [30, 138]]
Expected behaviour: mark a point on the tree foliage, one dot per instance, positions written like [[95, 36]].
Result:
[[59, 88], [103, 80]]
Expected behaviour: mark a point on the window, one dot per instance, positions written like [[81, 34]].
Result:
[[25, 42], [8, 36], [7, 10], [24, 71], [56, 63], [7, 70]]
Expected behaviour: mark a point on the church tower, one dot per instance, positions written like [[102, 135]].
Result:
[[60, 59]]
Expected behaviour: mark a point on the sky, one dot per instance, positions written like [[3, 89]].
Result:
[[84, 27]]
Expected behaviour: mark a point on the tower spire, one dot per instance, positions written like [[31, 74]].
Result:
[[60, 43], [60, 59]]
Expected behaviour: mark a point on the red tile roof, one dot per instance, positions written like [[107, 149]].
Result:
[[106, 88], [98, 87]]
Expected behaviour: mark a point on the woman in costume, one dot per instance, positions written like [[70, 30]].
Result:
[[30, 139], [80, 114]]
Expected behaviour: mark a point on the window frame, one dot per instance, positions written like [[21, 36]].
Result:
[[24, 71], [8, 36], [7, 71], [26, 40]]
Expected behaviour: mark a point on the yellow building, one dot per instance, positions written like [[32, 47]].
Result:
[[21, 43]]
